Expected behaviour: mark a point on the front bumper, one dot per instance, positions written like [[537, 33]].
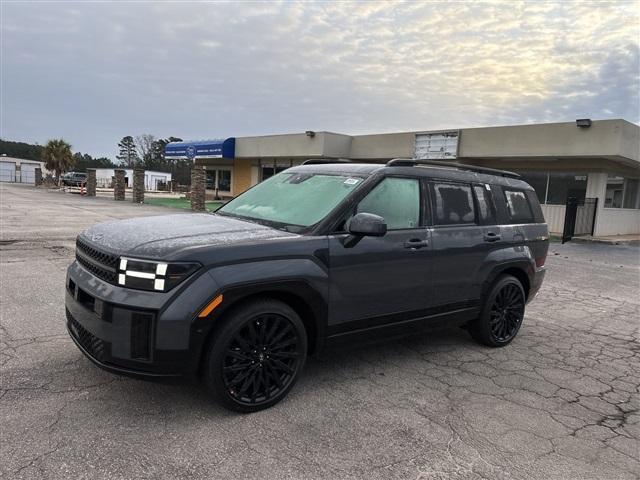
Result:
[[92, 348], [137, 333]]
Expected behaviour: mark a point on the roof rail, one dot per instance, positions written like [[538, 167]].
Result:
[[412, 162], [324, 161]]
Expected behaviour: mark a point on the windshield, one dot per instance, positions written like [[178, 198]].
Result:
[[295, 200]]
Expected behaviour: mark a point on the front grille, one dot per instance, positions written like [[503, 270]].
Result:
[[103, 265], [92, 344]]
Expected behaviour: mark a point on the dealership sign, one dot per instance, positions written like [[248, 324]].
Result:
[[437, 146], [201, 149]]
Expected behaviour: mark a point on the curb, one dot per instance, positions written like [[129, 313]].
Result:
[[605, 241]]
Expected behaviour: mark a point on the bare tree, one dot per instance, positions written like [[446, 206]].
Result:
[[145, 145]]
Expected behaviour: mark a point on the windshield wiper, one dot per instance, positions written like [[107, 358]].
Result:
[[285, 227]]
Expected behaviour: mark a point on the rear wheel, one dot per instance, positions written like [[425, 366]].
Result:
[[502, 313], [257, 356]]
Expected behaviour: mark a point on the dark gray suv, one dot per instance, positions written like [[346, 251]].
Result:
[[317, 254]]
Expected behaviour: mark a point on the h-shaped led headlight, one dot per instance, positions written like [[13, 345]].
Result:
[[150, 275]]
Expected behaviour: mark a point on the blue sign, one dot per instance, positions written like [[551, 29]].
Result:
[[201, 149]]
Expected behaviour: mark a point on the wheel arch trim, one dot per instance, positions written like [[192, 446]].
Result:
[[299, 294], [523, 270]]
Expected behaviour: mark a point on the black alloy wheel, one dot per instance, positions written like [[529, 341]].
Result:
[[502, 314], [257, 356], [507, 312], [261, 359]]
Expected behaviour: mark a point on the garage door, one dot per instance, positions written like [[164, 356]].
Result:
[[7, 172], [28, 173]]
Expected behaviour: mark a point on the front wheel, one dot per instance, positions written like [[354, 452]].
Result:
[[502, 313], [257, 355]]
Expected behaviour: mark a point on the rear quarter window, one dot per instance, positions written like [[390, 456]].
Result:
[[535, 206], [518, 208]]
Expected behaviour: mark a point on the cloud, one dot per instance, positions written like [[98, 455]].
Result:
[[94, 73]]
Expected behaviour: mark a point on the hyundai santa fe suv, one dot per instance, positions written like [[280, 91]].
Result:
[[320, 253]]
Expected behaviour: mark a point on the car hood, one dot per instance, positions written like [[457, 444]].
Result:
[[166, 234]]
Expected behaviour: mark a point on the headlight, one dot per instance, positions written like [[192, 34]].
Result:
[[150, 275]]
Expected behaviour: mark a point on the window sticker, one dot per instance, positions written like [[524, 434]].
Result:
[[351, 181]]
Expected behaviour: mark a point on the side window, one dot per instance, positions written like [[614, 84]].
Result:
[[397, 200], [486, 211], [518, 207], [453, 204]]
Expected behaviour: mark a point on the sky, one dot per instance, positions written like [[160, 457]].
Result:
[[93, 72]]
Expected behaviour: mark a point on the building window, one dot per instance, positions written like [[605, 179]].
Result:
[[270, 168], [219, 179], [622, 192], [224, 180], [555, 187], [565, 185], [539, 181]]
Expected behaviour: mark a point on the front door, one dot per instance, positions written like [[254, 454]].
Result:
[[385, 279]]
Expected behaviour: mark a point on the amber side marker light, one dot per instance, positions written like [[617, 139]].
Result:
[[210, 306]]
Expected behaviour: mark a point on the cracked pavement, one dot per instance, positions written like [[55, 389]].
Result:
[[562, 401]]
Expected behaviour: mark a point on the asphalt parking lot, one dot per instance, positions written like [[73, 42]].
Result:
[[562, 401]]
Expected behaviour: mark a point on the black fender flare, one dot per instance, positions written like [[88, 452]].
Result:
[[302, 296], [524, 266]]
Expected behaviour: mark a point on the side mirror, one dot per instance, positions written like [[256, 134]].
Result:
[[367, 225]]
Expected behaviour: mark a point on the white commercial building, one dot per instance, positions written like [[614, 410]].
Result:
[[152, 180], [19, 170]]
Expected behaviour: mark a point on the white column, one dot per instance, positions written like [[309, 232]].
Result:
[[255, 175], [596, 188]]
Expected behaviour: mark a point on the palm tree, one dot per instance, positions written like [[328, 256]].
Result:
[[57, 157]]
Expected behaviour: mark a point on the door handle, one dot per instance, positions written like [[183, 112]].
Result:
[[491, 237], [416, 243]]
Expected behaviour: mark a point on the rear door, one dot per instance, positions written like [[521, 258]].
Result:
[[383, 280], [461, 240]]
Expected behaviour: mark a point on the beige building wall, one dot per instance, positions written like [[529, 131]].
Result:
[[279, 146], [630, 141], [241, 177], [383, 146], [603, 138]]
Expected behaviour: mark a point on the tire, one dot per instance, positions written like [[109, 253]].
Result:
[[502, 313], [256, 356]]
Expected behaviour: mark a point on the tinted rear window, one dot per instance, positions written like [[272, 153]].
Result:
[[518, 207]]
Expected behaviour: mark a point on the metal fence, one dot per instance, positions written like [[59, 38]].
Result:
[[579, 217]]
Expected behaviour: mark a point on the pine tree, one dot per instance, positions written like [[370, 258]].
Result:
[[127, 149]]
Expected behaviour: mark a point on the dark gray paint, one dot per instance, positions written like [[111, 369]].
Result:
[[374, 282]]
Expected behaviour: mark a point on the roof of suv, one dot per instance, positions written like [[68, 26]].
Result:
[[440, 172]]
